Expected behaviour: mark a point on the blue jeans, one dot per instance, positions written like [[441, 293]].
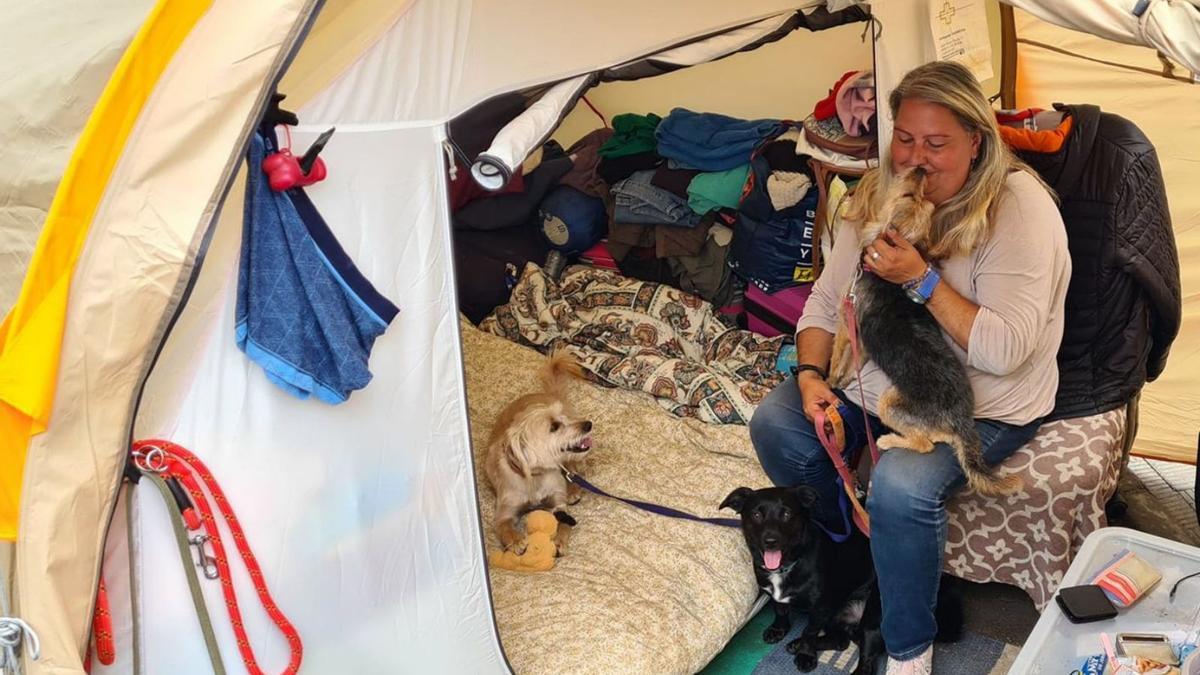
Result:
[[637, 202], [907, 502]]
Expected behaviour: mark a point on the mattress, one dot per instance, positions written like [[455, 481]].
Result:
[[636, 592]]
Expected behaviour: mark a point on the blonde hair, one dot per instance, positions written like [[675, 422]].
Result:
[[964, 221]]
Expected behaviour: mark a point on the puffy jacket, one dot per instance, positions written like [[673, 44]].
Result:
[[1123, 303]]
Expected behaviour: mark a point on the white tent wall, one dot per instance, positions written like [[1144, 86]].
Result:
[[471, 51], [1165, 110], [782, 79], [53, 66], [363, 514]]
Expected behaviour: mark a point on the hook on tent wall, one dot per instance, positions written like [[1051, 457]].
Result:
[[873, 22], [276, 115]]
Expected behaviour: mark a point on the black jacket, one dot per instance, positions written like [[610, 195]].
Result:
[[1123, 303]]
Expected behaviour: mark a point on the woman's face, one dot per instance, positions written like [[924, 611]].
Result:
[[928, 135]]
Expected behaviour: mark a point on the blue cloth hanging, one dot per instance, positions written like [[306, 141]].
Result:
[[304, 312]]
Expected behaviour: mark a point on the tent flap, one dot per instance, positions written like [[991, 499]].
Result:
[[1170, 26], [493, 168]]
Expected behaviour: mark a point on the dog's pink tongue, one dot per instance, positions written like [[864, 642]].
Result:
[[586, 443], [771, 559]]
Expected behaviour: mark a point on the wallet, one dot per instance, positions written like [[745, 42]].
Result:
[[1126, 578], [1084, 604]]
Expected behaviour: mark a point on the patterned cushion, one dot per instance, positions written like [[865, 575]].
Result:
[[1069, 469]]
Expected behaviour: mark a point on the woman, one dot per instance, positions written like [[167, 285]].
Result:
[[996, 285]]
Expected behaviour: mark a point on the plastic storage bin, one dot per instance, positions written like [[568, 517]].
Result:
[[1058, 646]]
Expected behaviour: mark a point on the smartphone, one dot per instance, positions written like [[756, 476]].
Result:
[[1153, 646], [1084, 604], [310, 156]]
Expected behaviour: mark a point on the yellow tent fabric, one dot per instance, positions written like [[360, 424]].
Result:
[[31, 334]]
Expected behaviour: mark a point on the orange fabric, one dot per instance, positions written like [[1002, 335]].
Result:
[[1048, 140]]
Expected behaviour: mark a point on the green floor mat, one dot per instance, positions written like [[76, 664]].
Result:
[[745, 650]]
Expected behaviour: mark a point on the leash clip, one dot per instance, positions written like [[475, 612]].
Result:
[[151, 460], [567, 473], [204, 561]]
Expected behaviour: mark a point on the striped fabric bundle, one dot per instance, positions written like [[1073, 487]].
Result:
[[1126, 578]]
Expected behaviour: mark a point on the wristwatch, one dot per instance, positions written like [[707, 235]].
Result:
[[919, 290]]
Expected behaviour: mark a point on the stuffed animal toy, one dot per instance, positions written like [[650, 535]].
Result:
[[540, 547]]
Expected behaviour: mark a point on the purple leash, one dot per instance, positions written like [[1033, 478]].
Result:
[[684, 515]]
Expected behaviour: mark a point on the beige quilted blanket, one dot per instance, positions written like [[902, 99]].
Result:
[[643, 336], [637, 593]]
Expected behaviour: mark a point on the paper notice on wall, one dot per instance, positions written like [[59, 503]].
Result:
[[960, 33]]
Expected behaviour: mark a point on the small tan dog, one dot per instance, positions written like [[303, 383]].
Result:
[[534, 438]]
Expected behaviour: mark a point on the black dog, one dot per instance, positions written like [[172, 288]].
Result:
[[800, 567]]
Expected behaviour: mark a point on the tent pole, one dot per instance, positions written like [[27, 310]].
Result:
[[1008, 57]]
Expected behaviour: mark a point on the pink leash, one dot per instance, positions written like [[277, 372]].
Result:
[[830, 429], [852, 329]]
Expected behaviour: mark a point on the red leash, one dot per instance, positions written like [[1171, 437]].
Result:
[[173, 461], [102, 631], [106, 651], [830, 427]]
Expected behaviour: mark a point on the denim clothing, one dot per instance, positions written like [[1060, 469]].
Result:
[[906, 501], [304, 312], [637, 202], [711, 142]]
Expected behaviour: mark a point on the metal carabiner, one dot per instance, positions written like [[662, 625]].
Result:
[[153, 460], [204, 561]]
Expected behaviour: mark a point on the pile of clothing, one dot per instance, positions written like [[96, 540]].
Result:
[[676, 184], [701, 201]]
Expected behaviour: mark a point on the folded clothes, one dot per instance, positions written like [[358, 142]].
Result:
[[675, 181], [709, 141], [304, 312], [637, 202], [616, 169], [718, 189], [632, 134]]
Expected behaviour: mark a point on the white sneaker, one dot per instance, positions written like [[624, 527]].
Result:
[[921, 665]]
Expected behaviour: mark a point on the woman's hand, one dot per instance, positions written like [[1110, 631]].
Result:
[[815, 394], [892, 258]]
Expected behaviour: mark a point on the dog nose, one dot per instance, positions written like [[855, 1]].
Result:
[[587, 426], [770, 541]]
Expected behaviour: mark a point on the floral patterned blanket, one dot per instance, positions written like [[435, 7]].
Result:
[[643, 336]]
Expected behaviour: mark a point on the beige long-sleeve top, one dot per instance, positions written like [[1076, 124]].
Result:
[[1018, 277]]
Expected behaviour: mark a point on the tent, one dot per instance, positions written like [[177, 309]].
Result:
[[140, 245]]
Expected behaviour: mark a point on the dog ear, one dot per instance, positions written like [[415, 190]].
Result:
[[516, 460], [737, 499], [806, 495]]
